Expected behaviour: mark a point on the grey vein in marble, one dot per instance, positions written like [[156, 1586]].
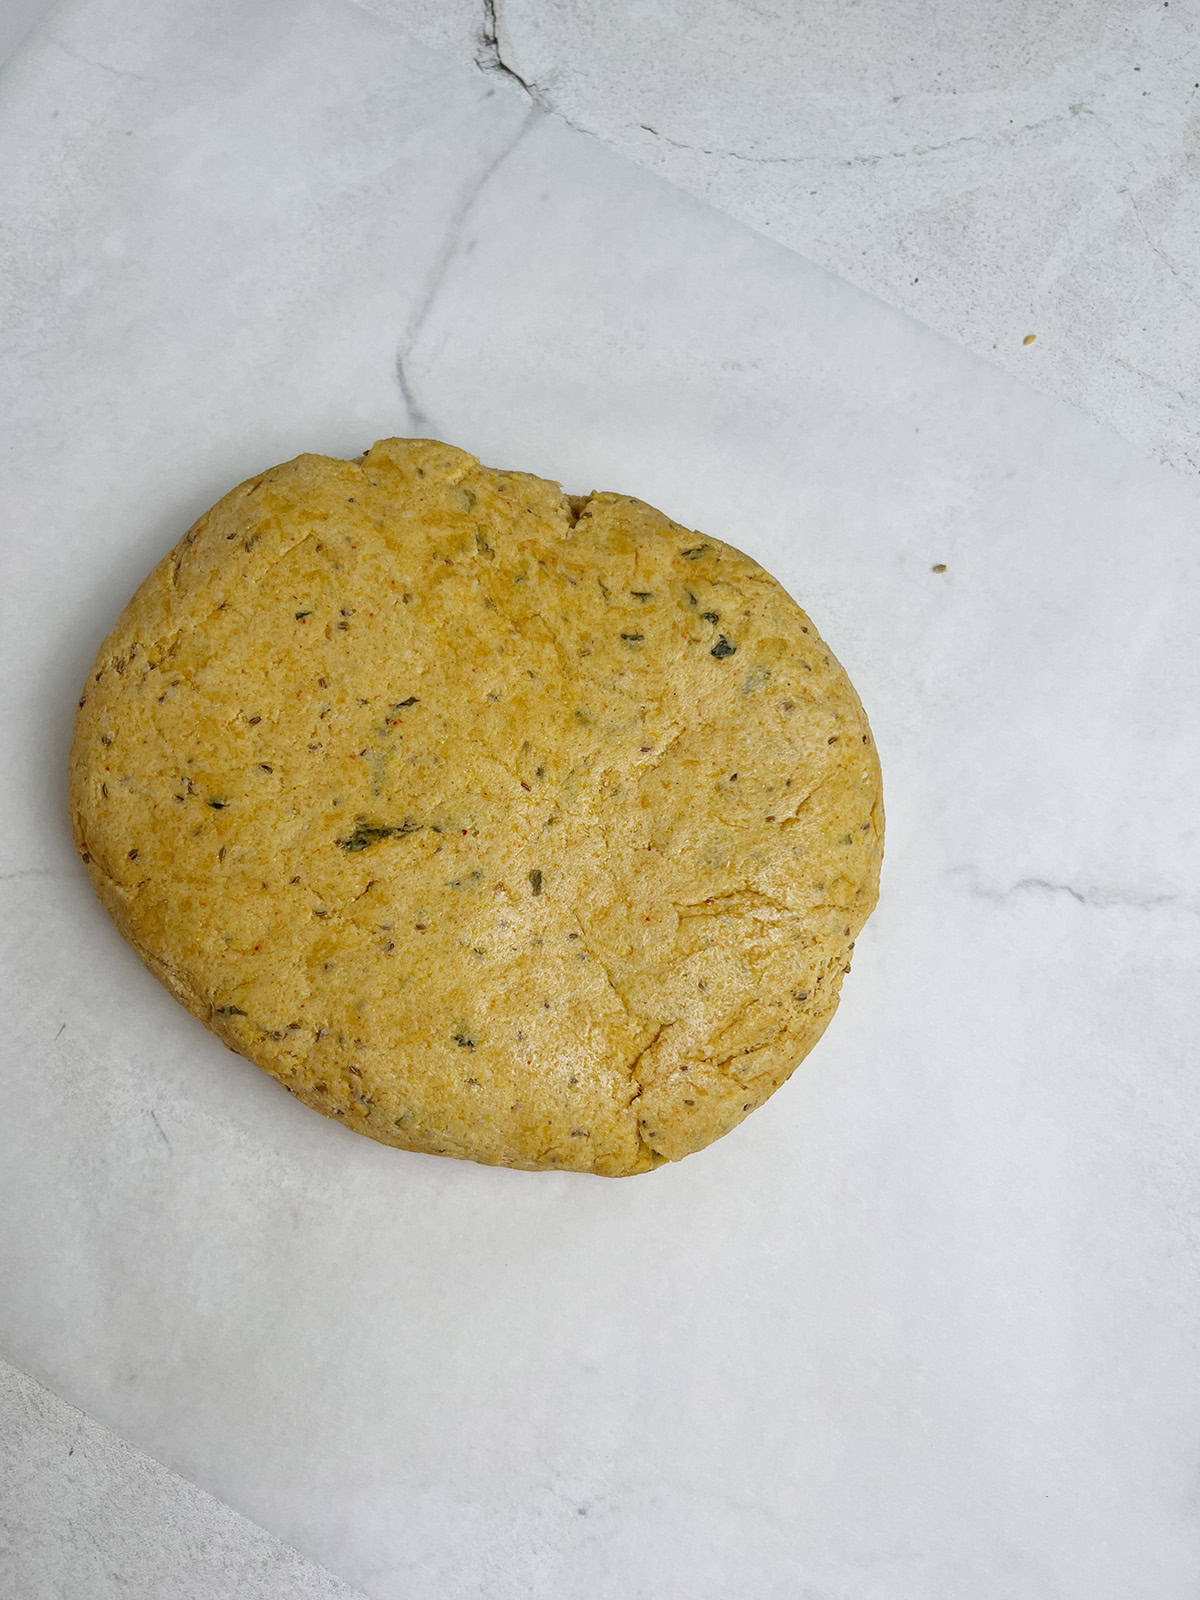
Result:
[[488, 57], [492, 62], [419, 419], [1099, 896]]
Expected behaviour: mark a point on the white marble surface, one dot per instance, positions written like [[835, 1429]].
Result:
[[993, 170], [926, 1324], [84, 1516]]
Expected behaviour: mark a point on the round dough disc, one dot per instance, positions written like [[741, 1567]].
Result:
[[495, 823]]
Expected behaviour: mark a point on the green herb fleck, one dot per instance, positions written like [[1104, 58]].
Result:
[[368, 833], [463, 1038], [633, 638], [218, 805], [483, 546], [535, 880], [723, 649], [300, 615], [642, 594], [711, 616], [695, 552], [230, 1011]]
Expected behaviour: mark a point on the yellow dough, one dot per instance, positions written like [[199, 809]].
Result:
[[493, 822]]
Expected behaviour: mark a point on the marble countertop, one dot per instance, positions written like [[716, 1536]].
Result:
[[926, 1324], [993, 171]]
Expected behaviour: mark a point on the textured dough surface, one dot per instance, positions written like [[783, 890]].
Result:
[[496, 824]]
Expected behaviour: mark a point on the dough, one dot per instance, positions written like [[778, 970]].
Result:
[[492, 822]]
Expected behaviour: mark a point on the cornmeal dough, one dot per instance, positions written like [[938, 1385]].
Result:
[[493, 822]]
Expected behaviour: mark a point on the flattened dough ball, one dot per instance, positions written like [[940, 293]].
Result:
[[494, 823]]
